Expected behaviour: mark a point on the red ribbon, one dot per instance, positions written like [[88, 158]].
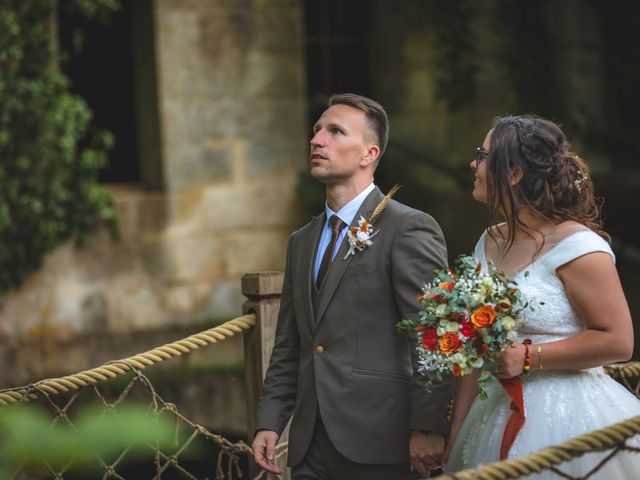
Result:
[[513, 387]]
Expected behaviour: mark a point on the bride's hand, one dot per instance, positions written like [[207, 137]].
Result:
[[510, 362]]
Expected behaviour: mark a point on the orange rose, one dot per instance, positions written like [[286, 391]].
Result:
[[457, 370], [446, 285], [483, 317], [449, 343]]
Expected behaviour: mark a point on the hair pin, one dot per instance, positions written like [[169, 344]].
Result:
[[581, 177]]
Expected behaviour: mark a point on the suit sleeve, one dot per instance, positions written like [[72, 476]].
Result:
[[279, 389], [418, 249]]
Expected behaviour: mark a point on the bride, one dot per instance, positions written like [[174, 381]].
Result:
[[553, 245]]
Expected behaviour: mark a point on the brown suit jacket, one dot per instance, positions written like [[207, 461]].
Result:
[[361, 380]]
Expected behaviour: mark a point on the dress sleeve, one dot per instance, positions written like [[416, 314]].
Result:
[[575, 246], [478, 251]]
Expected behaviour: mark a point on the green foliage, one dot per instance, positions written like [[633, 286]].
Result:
[[49, 154], [31, 441], [456, 69], [95, 10]]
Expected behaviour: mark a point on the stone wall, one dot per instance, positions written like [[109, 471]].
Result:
[[230, 141]]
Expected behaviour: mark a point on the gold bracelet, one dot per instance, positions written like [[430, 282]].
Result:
[[539, 357]]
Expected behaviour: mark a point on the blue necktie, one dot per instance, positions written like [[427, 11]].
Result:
[[336, 226]]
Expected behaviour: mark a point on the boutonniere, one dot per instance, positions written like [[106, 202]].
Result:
[[360, 237]]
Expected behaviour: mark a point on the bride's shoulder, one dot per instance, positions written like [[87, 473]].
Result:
[[573, 240], [569, 227], [499, 230], [572, 231]]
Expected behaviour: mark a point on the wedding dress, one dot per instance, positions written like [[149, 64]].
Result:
[[559, 405]]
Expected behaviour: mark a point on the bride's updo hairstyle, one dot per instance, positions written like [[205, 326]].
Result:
[[555, 182]]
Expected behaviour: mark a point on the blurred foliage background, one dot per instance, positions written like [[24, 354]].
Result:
[[443, 70], [50, 152], [176, 109]]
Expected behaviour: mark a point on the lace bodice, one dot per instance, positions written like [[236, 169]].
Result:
[[553, 317]]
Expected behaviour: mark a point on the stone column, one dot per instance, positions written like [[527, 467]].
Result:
[[232, 116]]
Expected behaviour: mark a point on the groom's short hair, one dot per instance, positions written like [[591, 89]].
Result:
[[377, 121]]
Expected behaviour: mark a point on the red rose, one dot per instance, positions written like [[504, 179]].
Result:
[[467, 329], [429, 338]]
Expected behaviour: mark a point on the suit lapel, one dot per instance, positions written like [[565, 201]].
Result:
[[306, 273], [339, 266]]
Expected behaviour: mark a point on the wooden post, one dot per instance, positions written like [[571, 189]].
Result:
[[263, 292]]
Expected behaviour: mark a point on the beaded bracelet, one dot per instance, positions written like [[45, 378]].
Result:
[[527, 357]]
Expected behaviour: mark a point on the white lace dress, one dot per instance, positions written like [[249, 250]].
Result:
[[558, 404]]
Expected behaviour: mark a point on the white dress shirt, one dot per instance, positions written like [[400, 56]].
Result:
[[346, 214]]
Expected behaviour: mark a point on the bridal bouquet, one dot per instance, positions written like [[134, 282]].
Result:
[[467, 318]]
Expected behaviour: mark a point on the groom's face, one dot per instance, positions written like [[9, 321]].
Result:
[[340, 145]]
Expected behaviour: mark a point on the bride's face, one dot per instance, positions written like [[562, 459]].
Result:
[[479, 166]]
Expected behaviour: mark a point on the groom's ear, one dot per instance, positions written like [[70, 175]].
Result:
[[370, 155]]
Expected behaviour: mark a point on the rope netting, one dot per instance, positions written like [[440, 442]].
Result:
[[61, 395], [166, 458]]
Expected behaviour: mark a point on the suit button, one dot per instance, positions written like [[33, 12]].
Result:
[[319, 349]]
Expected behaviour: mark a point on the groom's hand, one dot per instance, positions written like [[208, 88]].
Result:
[[425, 451], [264, 450]]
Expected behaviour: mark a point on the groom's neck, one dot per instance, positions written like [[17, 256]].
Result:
[[338, 195]]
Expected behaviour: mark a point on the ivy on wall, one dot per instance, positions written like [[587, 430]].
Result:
[[49, 153]]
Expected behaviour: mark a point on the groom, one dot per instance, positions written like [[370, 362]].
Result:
[[359, 408]]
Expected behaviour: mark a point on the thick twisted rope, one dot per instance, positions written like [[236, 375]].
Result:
[[598, 440], [631, 369], [116, 368], [628, 374]]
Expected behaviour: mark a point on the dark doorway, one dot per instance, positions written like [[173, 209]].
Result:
[[101, 72], [337, 50]]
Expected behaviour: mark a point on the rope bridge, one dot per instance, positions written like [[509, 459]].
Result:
[[88, 380], [116, 368], [612, 438]]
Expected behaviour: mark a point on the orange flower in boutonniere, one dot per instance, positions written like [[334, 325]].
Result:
[[360, 237]]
